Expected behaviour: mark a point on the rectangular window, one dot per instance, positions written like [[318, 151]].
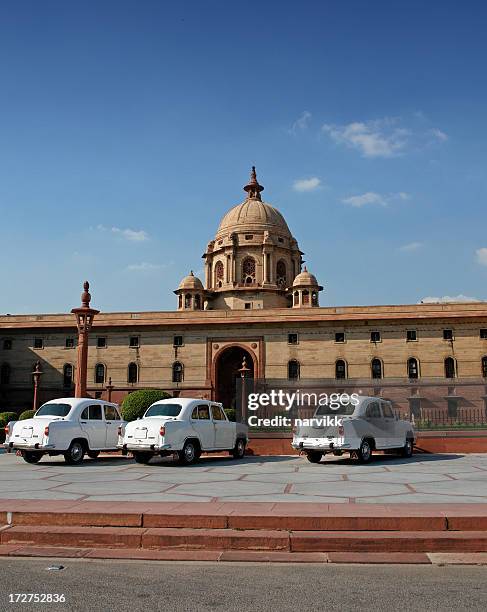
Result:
[[375, 336], [134, 342], [177, 341], [69, 343], [447, 334], [248, 305], [292, 338], [483, 334], [249, 236], [340, 337], [411, 335], [7, 344], [38, 343], [101, 342]]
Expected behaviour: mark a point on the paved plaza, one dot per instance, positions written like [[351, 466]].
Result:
[[423, 479]]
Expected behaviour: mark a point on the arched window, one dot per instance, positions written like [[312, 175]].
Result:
[[413, 369], [180, 301], [376, 367], [5, 374], [187, 300], [177, 372], [67, 375], [281, 273], [248, 270], [340, 369], [314, 298], [132, 373], [197, 302], [484, 367], [293, 369], [296, 298], [100, 373], [305, 296], [219, 274], [450, 367]]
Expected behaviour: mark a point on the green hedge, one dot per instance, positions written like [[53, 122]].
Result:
[[135, 404], [27, 414], [230, 412]]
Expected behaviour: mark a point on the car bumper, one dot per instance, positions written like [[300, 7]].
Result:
[[12, 446], [144, 447], [323, 444]]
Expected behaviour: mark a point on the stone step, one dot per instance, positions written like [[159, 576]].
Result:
[[245, 539]]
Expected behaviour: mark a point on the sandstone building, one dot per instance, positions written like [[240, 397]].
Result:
[[257, 301]]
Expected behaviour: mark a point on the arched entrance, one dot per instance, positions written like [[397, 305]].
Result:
[[228, 364]]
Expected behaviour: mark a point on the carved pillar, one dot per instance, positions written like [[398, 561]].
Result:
[[84, 320]]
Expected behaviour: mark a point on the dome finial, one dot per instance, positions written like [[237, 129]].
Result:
[[253, 188]]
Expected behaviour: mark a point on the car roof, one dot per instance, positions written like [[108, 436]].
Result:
[[74, 402], [184, 401]]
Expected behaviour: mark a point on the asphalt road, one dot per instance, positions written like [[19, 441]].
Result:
[[132, 586]]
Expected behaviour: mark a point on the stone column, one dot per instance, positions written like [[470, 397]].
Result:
[[84, 320]]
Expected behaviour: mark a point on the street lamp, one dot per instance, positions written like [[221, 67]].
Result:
[[244, 370], [84, 320], [36, 374], [109, 389]]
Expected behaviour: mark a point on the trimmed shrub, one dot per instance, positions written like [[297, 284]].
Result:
[[27, 414], [135, 404], [230, 412]]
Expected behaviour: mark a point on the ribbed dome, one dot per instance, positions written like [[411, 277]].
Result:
[[305, 279], [191, 282], [253, 215]]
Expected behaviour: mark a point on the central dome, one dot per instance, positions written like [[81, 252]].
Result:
[[253, 215]]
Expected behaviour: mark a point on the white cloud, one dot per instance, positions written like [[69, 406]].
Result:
[[372, 197], [448, 298], [365, 198], [439, 134], [481, 256], [301, 123], [310, 184], [145, 267], [380, 138], [412, 246], [127, 234]]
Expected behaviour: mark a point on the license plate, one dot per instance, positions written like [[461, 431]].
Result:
[[26, 432], [141, 434]]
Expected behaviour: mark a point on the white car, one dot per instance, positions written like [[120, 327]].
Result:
[[185, 427], [370, 425], [67, 426]]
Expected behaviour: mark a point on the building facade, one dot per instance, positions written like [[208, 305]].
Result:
[[257, 301]]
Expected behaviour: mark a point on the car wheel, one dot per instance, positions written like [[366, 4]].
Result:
[[142, 457], [93, 454], [365, 452], [75, 453], [189, 454], [407, 449], [239, 450], [314, 456], [30, 457]]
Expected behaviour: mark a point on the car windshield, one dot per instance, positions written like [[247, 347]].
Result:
[[343, 409], [167, 410], [59, 410]]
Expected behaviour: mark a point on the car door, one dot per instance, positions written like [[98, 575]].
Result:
[[112, 423], [203, 425], [392, 426], [93, 424], [375, 424], [223, 428]]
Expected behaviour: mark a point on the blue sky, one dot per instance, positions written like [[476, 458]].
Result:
[[127, 129]]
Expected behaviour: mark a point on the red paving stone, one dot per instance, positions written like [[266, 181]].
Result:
[[78, 518], [195, 521], [6, 549], [215, 539], [387, 541], [458, 558], [49, 551], [364, 557], [272, 557], [154, 555], [79, 537]]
